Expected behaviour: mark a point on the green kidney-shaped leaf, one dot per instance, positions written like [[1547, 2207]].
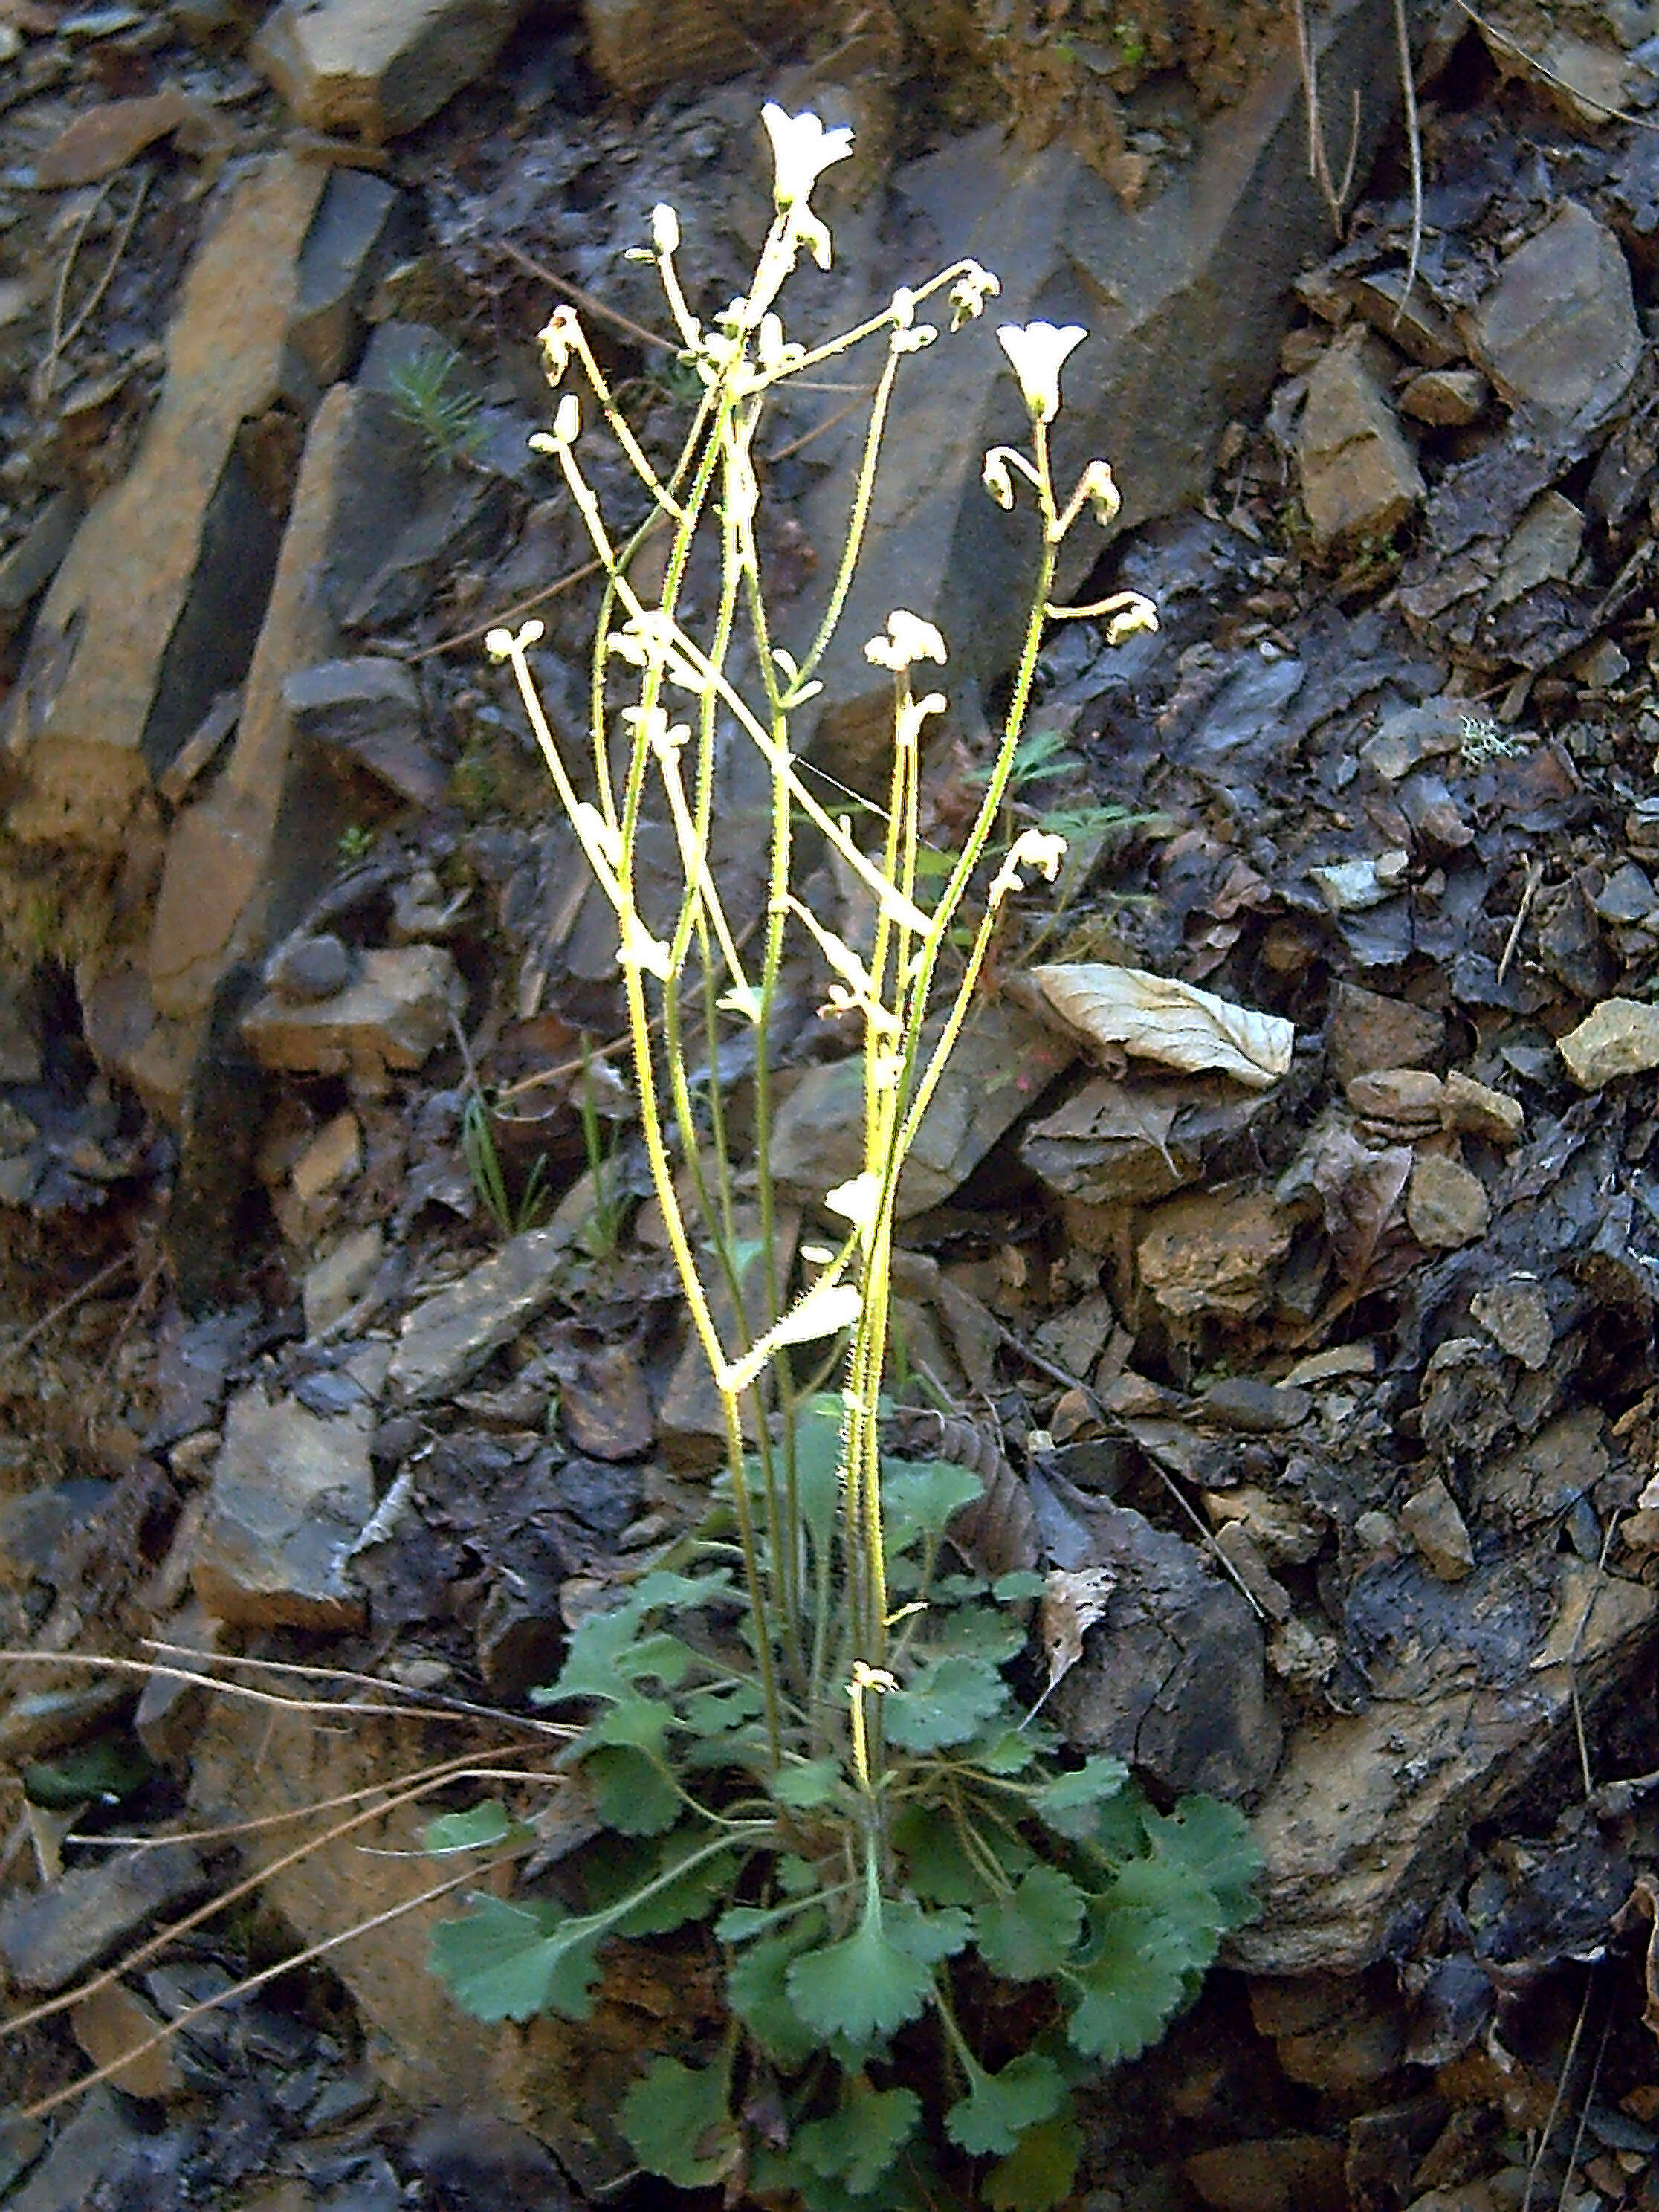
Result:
[[946, 1701], [868, 1984], [858, 2145], [1039, 2173], [511, 1961], [999, 2107], [814, 1782], [1030, 1935], [918, 1498], [676, 2121], [1136, 1978], [1070, 1803], [630, 1794], [756, 1990], [479, 1828]]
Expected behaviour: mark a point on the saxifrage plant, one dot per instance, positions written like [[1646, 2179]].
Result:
[[802, 1729]]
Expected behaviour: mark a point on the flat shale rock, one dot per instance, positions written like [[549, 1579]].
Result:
[[394, 1014], [49, 1937], [1208, 1253], [450, 1335], [1370, 1816], [1558, 333], [378, 68], [291, 1492], [155, 608], [1360, 476]]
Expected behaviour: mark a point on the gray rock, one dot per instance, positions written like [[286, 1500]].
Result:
[[1626, 897], [1621, 1038], [1430, 1518], [1473, 1685], [1543, 1478], [333, 1284], [368, 708], [394, 1013], [378, 68], [1515, 1315], [310, 969], [1198, 276], [290, 1494], [1255, 1409], [1558, 332], [1360, 476], [449, 1337], [1172, 1677], [349, 246], [30, 565], [1545, 548], [89, 2148], [1139, 1140], [227, 872], [1478, 1110], [50, 1937]]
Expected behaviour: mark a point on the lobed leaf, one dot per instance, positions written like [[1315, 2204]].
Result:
[[859, 2145], [1039, 2173], [946, 1701], [999, 2107], [757, 1991], [1134, 1981], [510, 1961], [868, 1984], [479, 1828], [1030, 1935], [1069, 1804], [676, 2121], [630, 1794]]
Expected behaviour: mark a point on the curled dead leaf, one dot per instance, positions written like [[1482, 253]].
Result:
[[1155, 1018]]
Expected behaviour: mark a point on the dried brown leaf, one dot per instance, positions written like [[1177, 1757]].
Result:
[[1157, 1018]]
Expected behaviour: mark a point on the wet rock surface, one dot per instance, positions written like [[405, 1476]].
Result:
[[1341, 1374]]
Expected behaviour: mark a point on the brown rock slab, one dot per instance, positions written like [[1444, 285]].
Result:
[[114, 2020], [1446, 398], [641, 47], [1621, 1038], [105, 138], [1478, 1110], [226, 872], [1369, 1817], [450, 1335], [1430, 1518], [1359, 476], [1004, 1061], [1446, 1204], [376, 68], [291, 1492], [1366, 1031], [1114, 1141], [1541, 1479], [54, 1934], [1410, 1097], [1285, 2173], [155, 608], [1558, 332], [395, 1013], [1207, 1254]]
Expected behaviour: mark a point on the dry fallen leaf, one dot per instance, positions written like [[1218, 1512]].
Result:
[[1074, 1600], [1157, 1018]]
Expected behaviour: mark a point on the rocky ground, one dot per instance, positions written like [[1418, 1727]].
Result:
[[1332, 1339]]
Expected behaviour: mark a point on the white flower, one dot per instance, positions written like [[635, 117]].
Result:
[[1037, 352], [1137, 614], [555, 339], [1099, 487], [802, 149], [909, 639], [971, 292], [1032, 848], [665, 229], [503, 644]]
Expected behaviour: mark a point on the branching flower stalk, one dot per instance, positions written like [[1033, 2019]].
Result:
[[739, 678]]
